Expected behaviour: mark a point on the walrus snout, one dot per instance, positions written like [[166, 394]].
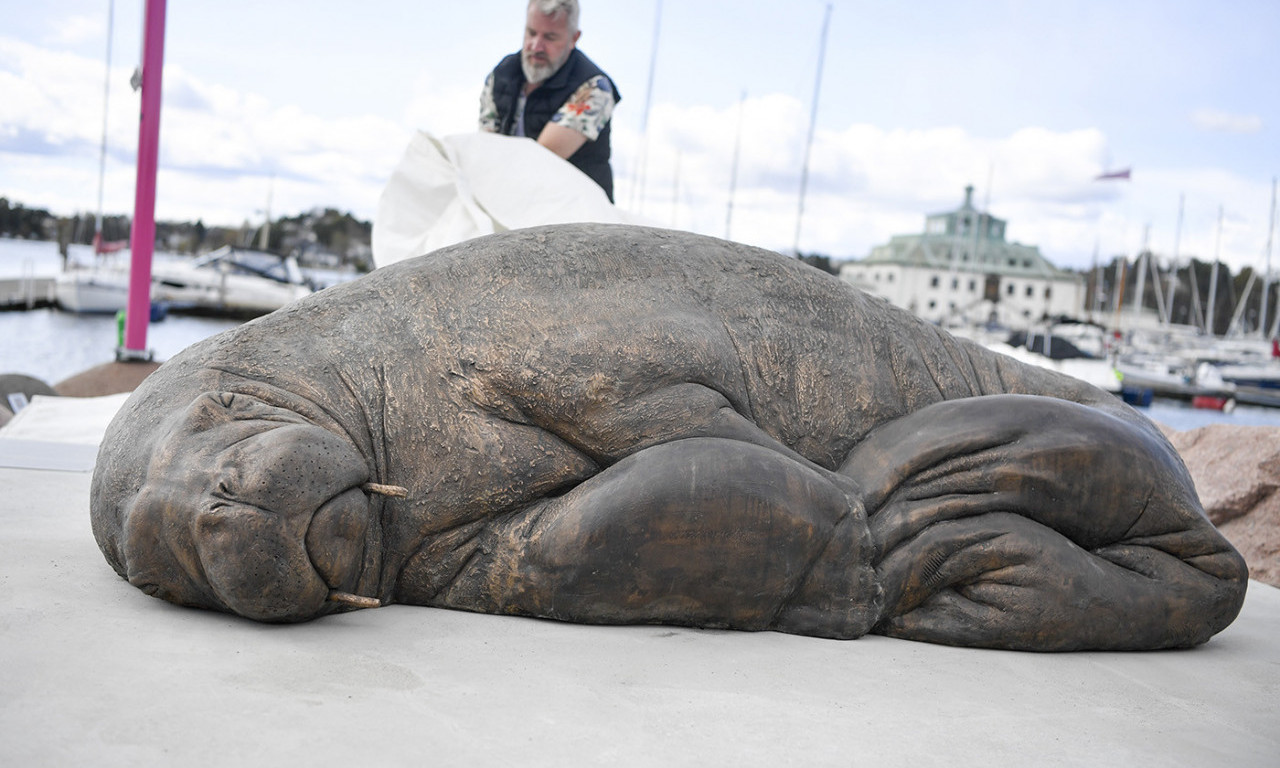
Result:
[[280, 518]]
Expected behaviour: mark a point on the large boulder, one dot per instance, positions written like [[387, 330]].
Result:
[[16, 389], [1237, 474]]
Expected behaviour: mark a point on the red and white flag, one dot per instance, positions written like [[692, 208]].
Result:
[[1121, 175]]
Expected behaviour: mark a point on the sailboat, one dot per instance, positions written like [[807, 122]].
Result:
[[229, 281], [101, 287], [1193, 362]]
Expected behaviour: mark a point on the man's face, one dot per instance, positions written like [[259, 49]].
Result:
[[547, 44]]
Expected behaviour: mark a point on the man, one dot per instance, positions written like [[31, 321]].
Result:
[[553, 93]]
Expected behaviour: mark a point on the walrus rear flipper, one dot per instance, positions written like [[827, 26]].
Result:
[[701, 532], [1032, 523]]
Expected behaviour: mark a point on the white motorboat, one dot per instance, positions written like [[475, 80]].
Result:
[[229, 280]]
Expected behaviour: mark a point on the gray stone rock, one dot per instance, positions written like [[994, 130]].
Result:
[[1237, 475]]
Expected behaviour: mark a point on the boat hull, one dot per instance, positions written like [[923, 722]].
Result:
[[100, 292]]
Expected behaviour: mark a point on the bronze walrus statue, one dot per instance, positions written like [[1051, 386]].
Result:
[[614, 424]]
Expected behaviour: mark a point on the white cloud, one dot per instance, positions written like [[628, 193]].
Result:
[[224, 149], [72, 30], [868, 183], [1225, 122], [219, 147], [57, 94], [441, 105]]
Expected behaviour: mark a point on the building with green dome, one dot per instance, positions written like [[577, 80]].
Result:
[[962, 271]]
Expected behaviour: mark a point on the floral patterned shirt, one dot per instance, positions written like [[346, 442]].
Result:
[[587, 111]]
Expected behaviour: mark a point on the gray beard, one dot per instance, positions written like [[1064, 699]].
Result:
[[536, 73]]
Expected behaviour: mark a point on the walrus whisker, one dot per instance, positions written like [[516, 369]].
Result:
[[355, 601], [397, 491]]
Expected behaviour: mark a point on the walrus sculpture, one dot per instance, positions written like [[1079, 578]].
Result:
[[613, 424]]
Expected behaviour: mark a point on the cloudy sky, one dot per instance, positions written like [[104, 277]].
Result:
[[312, 103]]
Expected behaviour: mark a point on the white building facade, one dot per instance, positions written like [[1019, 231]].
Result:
[[961, 270]]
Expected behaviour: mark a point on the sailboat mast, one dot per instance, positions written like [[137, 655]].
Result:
[[637, 183], [1124, 271], [813, 120], [264, 238], [1209, 316], [1266, 274], [1096, 304], [1140, 271], [1177, 244], [1154, 268], [733, 170], [102, 152], [981, 220]]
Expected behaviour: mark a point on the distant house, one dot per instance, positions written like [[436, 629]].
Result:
[[961, 270]]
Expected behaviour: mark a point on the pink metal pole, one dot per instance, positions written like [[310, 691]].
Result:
[[143, 234]]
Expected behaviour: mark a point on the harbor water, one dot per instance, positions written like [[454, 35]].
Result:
[[52, 345]]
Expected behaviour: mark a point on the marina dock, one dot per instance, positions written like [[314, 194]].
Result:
[[26, 292]]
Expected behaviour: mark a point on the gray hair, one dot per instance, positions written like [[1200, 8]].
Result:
[[556, 7]]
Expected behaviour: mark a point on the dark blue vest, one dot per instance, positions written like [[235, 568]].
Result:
[[592, 158]]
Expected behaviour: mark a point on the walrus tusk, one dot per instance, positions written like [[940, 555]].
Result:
[[397, 491], [355, 601]]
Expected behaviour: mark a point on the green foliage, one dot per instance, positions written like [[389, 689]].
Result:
[[326, 238], [19, 221], [820, 261]]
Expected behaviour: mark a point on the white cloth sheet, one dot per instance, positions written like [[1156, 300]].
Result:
[[446, 190]]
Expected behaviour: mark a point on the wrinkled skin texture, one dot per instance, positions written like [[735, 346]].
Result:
[[618, 425]]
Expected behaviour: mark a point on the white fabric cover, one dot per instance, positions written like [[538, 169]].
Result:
[[446, 190]]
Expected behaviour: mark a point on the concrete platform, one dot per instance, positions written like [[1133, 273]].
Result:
[[93, 672]]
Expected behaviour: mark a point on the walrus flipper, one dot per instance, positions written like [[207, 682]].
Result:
[[699, 532], [1032, 523]]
